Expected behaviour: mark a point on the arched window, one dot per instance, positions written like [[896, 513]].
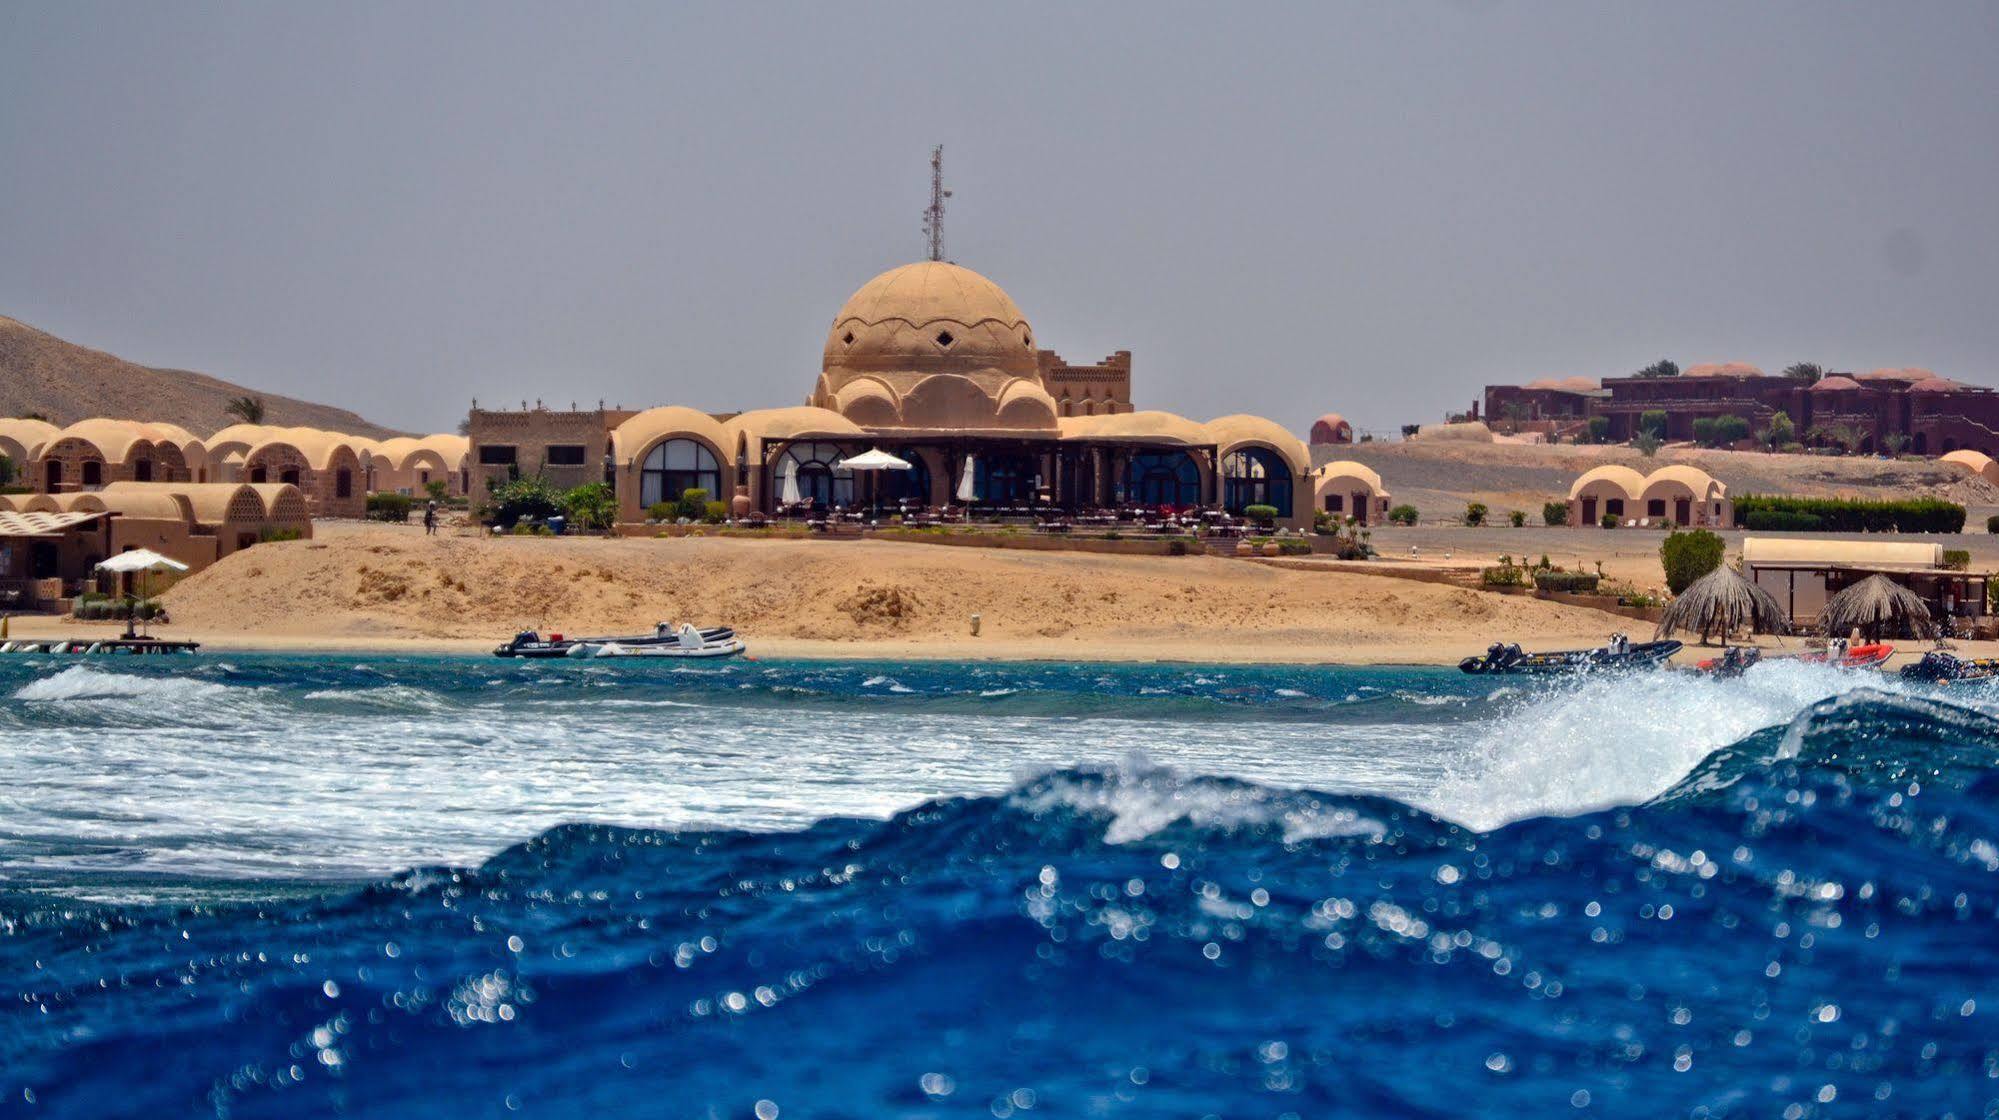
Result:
[[912, 485], [1256, 476], [1162, 478], [93, 473], [288, 476], [259, 474], [53, 475], [142, 471], [816, 467], [1004, 479], [677, 466]]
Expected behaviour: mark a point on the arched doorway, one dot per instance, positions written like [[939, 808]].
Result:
[[816, 466], [1162, 478], [676, 466]]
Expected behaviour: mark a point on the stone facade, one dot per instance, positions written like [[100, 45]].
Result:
[[569, 448], [1103, 389]]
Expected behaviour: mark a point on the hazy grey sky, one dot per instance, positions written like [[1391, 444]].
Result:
[[1371, 208]]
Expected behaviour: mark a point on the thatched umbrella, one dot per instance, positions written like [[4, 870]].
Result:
[[1875, 605], [1723, 600]]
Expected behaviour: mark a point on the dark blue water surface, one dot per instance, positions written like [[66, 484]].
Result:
[[1801, 921]]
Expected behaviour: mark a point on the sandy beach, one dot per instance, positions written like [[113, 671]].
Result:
[[379, 587]]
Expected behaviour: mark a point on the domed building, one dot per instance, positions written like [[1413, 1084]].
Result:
[[937, 365]]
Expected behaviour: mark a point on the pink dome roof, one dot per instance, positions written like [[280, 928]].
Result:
[[1834, 383], [1331, 428], [1722, 369], [1935, 385], [1890, 373]]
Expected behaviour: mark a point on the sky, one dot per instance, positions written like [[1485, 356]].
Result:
[[1374, 208]]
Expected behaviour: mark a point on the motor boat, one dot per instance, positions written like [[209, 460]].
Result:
[[1737, 659], [1510, 659], [666, 640], [1942, 667]]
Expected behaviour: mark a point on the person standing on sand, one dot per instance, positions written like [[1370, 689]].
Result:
[[430, 519]]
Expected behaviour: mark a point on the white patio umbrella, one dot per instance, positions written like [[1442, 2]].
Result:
[[967, 482], [788, 483], [872, 461], [128, 564]]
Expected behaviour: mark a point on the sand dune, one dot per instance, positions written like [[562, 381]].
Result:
[[380, 586]]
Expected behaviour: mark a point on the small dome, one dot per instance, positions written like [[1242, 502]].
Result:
[[1893, 373], [1331, 428], [1935, 385], [1834, 384]]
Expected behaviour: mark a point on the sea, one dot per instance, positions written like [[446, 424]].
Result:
[[384, 886]]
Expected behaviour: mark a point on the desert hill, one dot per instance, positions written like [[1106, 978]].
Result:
[[45, 375]]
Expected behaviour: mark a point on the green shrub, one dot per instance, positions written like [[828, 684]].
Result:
[[1516, 518], [1730, 430], [1687, 555], [1704, 431], [714, 513], [1992, 523], [1262, 514], [267, 535], [1566, 581], [663, 511], [1555, 513], [1599, 429], [1504, 575], [1608, 521], [1847, 515], [1294, 546], [438, 490], [1772, 521], [1475, 513], [1652, 422], [593, 506], [389, 507], [515, 500], [1403, 515], [694, 504], [1957, 559]]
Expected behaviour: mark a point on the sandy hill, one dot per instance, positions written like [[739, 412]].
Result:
[[357, 584], [1439, 477], [40, 373]]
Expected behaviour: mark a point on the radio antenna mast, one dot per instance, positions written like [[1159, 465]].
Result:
[[933, 217]]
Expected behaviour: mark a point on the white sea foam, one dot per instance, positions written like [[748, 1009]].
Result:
[[1141, 800], [80, 682]]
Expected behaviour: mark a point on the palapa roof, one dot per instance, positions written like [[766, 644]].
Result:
[[1723, 601], [1874, 604]]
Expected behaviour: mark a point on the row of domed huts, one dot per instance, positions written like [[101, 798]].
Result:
[[333, 472]]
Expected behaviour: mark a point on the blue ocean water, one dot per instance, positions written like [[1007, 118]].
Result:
[[272, 886]]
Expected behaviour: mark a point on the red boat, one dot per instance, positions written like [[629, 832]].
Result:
[[1868, 655]]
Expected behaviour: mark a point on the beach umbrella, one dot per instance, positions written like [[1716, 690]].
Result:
[[128, 564], [872, 461], [1723, 600], [788, 483], [1876, 605], [967, 482]]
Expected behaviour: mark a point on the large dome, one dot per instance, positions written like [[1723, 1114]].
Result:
[[937, 332]]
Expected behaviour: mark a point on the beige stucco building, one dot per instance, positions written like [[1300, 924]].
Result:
[[1676, 495], [936, 364]]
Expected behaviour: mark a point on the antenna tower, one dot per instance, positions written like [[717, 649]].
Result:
[[933, 217]]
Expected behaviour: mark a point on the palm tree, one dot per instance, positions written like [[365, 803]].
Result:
[[1807, 372], [248, 409]]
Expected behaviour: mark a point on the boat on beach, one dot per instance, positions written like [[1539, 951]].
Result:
[[1503, 659], [1733, 662], [1943, 667], [666, 640]]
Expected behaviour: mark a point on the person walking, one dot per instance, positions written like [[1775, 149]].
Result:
[[430, 519]]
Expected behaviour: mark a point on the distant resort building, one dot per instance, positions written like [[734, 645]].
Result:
[[936, 364], [1676, 495], [1927, 414], [1350, 490]]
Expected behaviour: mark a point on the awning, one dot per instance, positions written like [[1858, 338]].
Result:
[[43, 524], [875, 460]]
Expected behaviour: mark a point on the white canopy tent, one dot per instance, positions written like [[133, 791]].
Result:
[[137, 561], [874, 461]]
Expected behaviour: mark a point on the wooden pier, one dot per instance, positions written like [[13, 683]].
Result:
[[103, 646]]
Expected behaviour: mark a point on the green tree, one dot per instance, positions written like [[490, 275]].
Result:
[[1704, 430], [1730, 430], [247, 409], [1895, 443], [1664, 367], [518, 499], [1648, 444], [1653, 420], [6, 471], [1807, 372], [1555, 513], [438, 489], [1780, 432], [593, 505], [1687, 555], [1599, 429], [694, 504], [1475, 513], [1403, 515]]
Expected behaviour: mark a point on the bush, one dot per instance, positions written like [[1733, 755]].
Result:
[[267, 535], [1263, 514], [389, 507], [1599, 429], [1555, 513], [1402, 515], [1475, 513], [438, 490], [1846, 515], [714, 513], [663, 511], [1957, 559], [1730, 430], [1772, 521], [1516, 518], [1504, 575], [1992, 523], [1294, 546], [1608, 521], [1704, 431], [1687, 555], [593, 505], [1567, 581], [1652, 421], [521, 499], [693, 504]]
